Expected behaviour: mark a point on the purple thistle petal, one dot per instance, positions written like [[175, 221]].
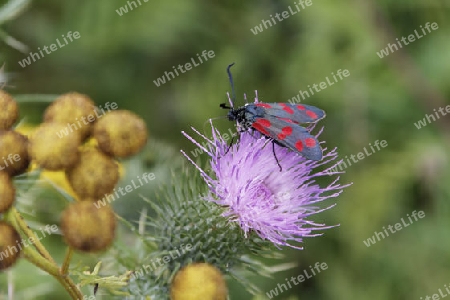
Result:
[[260, 197]]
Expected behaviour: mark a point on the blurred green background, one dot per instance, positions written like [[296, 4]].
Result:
[[117, 58]]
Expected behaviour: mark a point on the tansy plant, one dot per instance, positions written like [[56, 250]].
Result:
[[82, 144]]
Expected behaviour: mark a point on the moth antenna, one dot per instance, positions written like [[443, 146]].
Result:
[[230, 77]]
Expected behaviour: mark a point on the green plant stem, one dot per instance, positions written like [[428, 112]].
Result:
[[65, 267], [35, 258], [30, 234], [35, 98], [40, 257]]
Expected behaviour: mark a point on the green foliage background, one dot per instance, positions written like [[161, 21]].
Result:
[[118, 57]]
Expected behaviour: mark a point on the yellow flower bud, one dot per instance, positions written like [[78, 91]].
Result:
[[120, 133], [51, 151], [88, 228], [14, 157], [199, 281], [7, 192], [9, 245], [72, 109], [94, 175], [9, 111]]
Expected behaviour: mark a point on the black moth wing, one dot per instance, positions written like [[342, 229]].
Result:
[[290, 135], [298, 113]]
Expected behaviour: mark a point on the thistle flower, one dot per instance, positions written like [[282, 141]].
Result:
[[259, 197]]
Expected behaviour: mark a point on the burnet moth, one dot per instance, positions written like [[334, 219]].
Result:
[[279, 122]]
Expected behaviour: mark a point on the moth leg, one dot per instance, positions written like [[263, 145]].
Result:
[[275, 155], [229, 146], [232, 139]]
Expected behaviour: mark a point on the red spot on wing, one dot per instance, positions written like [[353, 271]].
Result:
[[263, 122], [286, 108], [260, 128], [301, 107], [299, 145], [265, 105], [285, 131], [261, 125], [310, 142], [311, 114]]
